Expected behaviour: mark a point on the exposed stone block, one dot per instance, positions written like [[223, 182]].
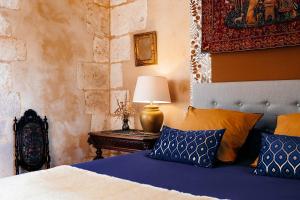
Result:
[[10, 4], [5, 78], [120, 49], [102, 2], [117, 2], [100, 121], [3, 140], [5, 28], [97, 101], [12, 50], [124, 21], [93, 76], [97, 20], [10, 104], [116, 75], [101, 49], [7, 155], [6, 128], [117, 95], [2, 129]]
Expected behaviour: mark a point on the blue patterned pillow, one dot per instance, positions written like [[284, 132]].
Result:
[[193, 147], [279, 156]]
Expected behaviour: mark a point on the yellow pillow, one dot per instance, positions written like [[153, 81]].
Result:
[[237, 125], [288, 125], [254, 164]]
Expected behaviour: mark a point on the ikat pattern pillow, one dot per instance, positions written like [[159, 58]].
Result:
[[192, 147], [279, 156]]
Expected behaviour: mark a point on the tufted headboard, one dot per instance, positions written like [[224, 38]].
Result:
[[269, 97]]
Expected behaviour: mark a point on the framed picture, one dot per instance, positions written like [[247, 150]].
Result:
[[239, 25], [145, 48]]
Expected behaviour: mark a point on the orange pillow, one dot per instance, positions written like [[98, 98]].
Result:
[[286, 125], [254, 164], [237, 125]]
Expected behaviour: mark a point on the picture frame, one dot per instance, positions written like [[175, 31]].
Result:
[[145, 48]]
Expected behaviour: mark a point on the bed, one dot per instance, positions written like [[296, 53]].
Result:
[[224, 181], [228, 181]]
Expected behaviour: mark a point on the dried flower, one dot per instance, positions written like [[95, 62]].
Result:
[[124, 109]]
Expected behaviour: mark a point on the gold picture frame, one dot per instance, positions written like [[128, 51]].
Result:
[[145, 48]]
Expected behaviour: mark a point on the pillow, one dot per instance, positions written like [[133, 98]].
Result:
[[288, 125], [279, 156], [237, 125], [192, 147], [250, 149]]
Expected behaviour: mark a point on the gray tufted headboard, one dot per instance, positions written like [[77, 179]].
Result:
[[269, 97]]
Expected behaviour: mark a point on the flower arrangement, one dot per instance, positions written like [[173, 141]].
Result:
[[124, 111]]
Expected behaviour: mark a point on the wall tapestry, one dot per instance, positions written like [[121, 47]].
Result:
[[239, 25], [200, 61]]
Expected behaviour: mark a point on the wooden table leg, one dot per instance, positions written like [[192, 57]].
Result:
[[98, 154]]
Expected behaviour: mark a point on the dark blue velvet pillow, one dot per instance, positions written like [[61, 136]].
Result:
[[279, 156], [192, 147]]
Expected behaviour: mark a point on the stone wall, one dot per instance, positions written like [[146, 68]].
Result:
[[71, 60], [170, 19], [123, 24], [54, 58]]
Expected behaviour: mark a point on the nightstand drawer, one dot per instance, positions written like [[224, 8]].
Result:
[[125, 144], [132, 141]]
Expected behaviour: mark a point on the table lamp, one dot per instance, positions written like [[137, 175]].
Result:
[[151, 90]]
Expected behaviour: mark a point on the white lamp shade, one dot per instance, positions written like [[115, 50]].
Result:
[[151, 89]]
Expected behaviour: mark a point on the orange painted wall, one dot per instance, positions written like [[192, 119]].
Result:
[[271, 64]]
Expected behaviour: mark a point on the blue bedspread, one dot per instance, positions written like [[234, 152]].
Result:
[[231, 182]]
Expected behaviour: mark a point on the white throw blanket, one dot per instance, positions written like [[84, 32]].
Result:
[[70, 183]]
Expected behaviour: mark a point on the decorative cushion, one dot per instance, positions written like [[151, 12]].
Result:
[[279, 156], [250, 149], [237, 125], [288, 125], [192, 147]]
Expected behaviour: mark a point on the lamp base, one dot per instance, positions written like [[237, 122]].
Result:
[[151, 119]]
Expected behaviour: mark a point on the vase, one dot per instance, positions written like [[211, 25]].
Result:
[[125, 126]]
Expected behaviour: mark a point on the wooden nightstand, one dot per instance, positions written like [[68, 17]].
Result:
[[125, 141]]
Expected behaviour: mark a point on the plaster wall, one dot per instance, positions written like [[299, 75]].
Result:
[[54, 59], [71, 60], [269, 64]]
